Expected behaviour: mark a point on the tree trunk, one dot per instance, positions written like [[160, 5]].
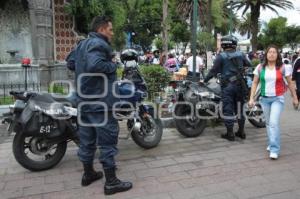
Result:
[[165, 27], [248, 37], [255, 12], [184, 47], [209, 16]]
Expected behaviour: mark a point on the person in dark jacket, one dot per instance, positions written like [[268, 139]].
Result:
[[296, 74], [230, 64], [95, 74]]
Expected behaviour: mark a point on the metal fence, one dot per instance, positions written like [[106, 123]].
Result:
[[6, 98]]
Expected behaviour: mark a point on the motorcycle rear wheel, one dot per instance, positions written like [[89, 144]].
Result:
[[20, 145], [188, 127], [256, 119]]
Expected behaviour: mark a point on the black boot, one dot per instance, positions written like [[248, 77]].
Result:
[[113, 184], [241, 133], [229, 135], [90, 175]]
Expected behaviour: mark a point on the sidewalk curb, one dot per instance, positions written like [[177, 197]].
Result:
[[168, 122], [4, 109]]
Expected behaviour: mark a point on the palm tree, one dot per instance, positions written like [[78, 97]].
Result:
[[186, 8], [210, 16], [245, 25], [255, 6]]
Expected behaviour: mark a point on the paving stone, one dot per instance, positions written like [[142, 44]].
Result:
[[161, 163], [155, 196], [24, 183], [45, 188], [287, 195], [224, 195], [12, 193], [203, 167], [151, 172]]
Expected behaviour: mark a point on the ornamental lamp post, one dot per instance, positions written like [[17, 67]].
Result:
[[26, 63]]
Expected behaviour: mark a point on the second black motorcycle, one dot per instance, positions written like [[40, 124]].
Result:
[[198, 103]]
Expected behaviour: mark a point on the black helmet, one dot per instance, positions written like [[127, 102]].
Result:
[[228, 42], [129, 55]]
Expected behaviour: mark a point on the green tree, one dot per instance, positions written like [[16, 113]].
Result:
[[293, 38], [254, 6], [84, 11], [144, 19], [205, 41], [275, 33], [224, 18], [180, 32], [158, 42], [213, 15]]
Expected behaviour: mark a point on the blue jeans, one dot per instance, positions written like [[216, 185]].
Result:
[[106, 137], [272, 108]]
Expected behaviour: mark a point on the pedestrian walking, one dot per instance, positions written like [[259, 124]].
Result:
[[273, 76]]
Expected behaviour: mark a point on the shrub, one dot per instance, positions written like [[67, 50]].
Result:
[[56, 89], [119, 72], [156, 77], [255, 62], [6, 100]]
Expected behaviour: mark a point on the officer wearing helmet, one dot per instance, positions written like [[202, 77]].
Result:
[[129, 55], [230, 64]]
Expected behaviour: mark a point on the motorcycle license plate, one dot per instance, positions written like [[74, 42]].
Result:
[[45, 129]]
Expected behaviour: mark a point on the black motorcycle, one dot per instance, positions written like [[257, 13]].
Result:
[[44, 123], [198, 103]]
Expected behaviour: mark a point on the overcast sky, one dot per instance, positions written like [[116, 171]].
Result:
[[293, 16]]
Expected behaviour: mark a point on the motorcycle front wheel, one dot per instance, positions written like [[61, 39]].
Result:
[[149, 134], [34, 154]]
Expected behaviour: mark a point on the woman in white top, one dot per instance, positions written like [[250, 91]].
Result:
[[272, 75]]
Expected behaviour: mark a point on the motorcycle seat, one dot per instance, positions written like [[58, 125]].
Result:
[[71, 100]]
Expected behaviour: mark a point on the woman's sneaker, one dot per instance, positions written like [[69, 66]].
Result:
[[268, 148], [273, 156]]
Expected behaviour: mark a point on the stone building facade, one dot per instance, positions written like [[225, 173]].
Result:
[[64, 34], [38, 29]]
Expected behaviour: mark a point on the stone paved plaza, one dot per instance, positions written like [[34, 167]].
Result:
[[204, 167]]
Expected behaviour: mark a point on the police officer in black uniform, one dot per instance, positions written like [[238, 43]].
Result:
[[230, 64], [95, 73]]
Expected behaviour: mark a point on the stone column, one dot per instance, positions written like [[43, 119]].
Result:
[[41, 30]]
